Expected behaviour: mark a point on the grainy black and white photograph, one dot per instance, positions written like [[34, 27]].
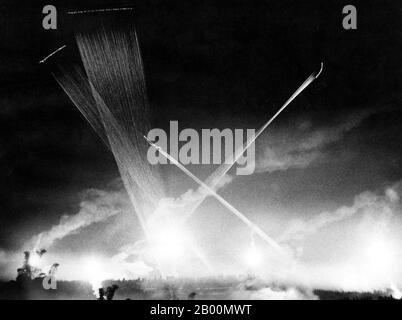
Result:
[[200, 150]]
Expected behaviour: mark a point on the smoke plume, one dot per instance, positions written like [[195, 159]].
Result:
[[300, 147]]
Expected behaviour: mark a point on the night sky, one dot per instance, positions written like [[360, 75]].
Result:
[[210, 64]]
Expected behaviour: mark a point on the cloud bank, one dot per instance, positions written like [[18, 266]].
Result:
[[382, 206], [299, 147]]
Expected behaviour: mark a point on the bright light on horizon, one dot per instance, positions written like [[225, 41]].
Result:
[[253, 257], [35, 260], [93, 272], [379, 254]]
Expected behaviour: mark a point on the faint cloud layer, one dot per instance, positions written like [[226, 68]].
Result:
[[96, 206], [301, 146], [381, 206]]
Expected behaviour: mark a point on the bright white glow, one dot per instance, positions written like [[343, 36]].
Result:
[[253, 257], [93, 272], [168, 243], [379, 255], [34, 260], [396, 293]]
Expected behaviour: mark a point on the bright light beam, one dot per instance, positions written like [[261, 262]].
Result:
[[213, 180], [236, 212], [52, 54], [216, 176]]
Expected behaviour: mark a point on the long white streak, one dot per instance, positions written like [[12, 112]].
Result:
[[305, 84], [99, 10], [241, 150], [236, 212], [213, 180], [52, 54]]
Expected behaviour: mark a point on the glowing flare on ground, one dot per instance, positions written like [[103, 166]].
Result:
[[396, 293], [93, 272], [34, 260], [379, 254]]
